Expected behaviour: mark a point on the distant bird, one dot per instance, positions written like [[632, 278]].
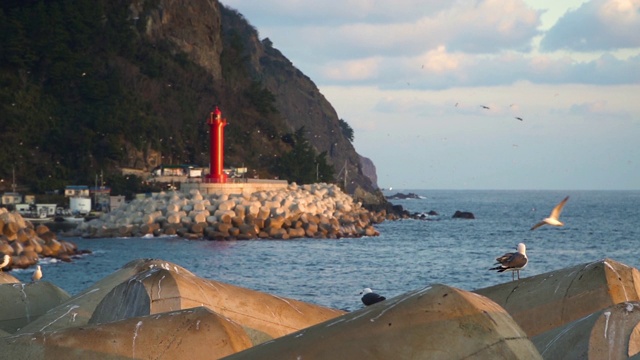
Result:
[[5, 262], [370, 298], [485, 107], [514, 261], [37, 275], [553, 219], [456, 104], [519, 118]]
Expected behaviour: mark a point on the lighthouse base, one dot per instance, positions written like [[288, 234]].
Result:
[[247, 186]]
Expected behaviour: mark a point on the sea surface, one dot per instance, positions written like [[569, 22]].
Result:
[[408, 254]]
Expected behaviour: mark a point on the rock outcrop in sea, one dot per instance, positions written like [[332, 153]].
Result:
[[315, 211], [156, 309], [26, 243]]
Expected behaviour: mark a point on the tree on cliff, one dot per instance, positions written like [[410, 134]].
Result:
[[301, 164], [347, 131]]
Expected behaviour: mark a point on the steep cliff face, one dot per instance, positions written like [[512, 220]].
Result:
[[197, 28], [369, 169], [193, 26]]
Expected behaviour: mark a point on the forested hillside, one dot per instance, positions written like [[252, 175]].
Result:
[[90, 86]]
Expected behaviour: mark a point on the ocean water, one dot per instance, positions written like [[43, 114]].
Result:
[[408, 254]]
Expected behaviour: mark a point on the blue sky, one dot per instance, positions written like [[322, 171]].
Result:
[[415, 75]]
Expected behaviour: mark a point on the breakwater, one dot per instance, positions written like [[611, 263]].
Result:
[[25, 243], [314, 210], [151, 308]]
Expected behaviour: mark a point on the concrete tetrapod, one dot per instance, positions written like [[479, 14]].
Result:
[[543, 302], [612, 333], [6, 278], [437, 322], [23, 303], [77, 310], [190, 334], [159, 290]]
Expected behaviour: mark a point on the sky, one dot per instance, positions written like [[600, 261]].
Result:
[[433, 89]]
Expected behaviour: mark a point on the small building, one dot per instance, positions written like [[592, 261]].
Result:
[[177, 170], [76, 191], [11, 198], [37, 210]]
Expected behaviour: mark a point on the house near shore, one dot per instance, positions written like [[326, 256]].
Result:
[[187, 170], [79, 199], [11, 198]]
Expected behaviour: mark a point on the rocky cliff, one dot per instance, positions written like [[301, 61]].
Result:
[[198, 27], [93, 86]]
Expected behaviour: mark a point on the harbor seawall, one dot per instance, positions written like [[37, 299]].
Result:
[[236, 186]]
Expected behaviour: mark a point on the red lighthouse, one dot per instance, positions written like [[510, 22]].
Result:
[[216, 149]]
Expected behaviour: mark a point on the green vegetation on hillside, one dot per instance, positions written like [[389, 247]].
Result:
[[83, 90]]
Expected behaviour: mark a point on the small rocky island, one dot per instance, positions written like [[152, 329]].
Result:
[[314, 210], [401, 196]]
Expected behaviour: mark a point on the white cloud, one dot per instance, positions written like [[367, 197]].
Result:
[[288, 13], [439, 61], [354, 70], [596, 25]]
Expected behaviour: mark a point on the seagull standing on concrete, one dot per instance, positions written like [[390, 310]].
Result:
[[370, 298], [514, 261], [553, 219], [5, 261], [37, 275]]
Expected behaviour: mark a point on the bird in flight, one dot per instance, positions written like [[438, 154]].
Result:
[[554, 218], [485, 107], [513, 261], [519, 118]]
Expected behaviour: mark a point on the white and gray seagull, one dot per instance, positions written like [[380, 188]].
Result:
[[37, 275], [513, 261], [554, 218], [370, 298], [5, 261]]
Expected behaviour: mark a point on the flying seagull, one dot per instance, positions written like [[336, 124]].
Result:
[[37, 275], [519, 118], [553, 219], [513, 262], [485, 107], [5, 262], [370, 298]]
